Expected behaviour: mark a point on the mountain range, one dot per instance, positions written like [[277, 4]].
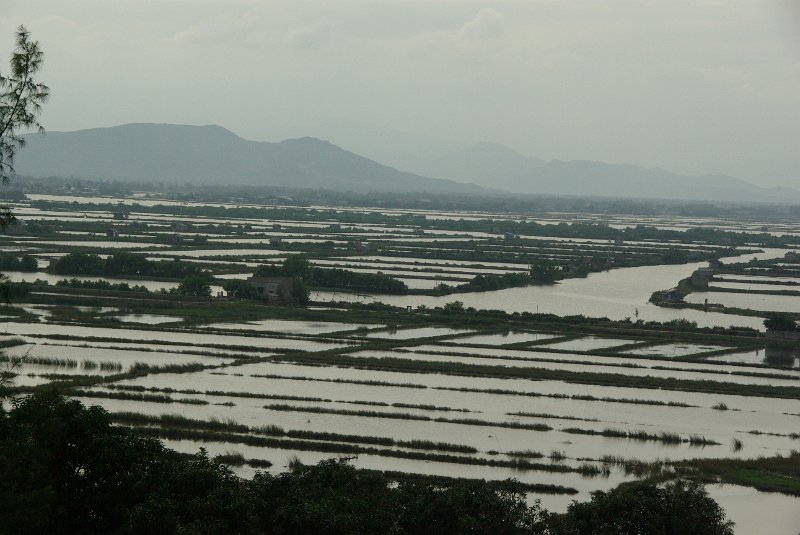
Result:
[[497, 166], [214, 155]]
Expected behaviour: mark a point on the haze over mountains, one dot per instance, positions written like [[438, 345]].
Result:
[[214, 155], [497, 166]]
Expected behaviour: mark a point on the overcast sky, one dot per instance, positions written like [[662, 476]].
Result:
[[691, 86]]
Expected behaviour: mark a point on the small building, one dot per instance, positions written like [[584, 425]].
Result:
[[112, 233], [119, 215], [275, 289], [508, 236], [276, 226], [275, 241], [673, 295], [715, 263], [335, 226]]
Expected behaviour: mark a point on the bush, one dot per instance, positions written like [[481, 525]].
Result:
[[780, 322]]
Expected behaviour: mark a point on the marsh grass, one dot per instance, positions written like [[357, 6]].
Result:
[[401, 365], [181, 422], [663, 437], [350, 449], [408, 416]]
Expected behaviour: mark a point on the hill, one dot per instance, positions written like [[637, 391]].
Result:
[[213, 155], [496, 166]]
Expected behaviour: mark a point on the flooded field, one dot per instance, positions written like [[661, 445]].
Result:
[[452, 382]]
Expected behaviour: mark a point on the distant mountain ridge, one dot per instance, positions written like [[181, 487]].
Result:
[[499, 167], [213, 155]]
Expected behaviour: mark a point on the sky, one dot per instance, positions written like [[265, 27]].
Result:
[[695, 87]]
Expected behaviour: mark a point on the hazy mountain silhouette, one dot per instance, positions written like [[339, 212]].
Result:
[[496, 166], [213, 155]]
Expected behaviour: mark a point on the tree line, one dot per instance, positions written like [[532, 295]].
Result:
[[124, 264], [298, 266], [12, 262]]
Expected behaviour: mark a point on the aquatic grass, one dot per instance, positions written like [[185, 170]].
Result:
[[219, 393], [636, 467], [349, 449], [663, 437], [41, 361], [231, 458], [342, 381], [258, 463], [529, 454], [510, 484], [768, 474], [553, 416], [408, 416], [391, 364], [577, 397], [495, 391], [792, 435], [127, 396], [179, 421]]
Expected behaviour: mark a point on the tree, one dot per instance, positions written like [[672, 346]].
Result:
[[454, 307], [644, 508], [21, 99], [543, 271], [239, 289], [297, 265], [300, 292], [194, 286], [780, 322]]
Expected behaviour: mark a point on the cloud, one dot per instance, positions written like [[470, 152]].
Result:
[[311, 37], [487, 24], [224, 28], [483, 31]]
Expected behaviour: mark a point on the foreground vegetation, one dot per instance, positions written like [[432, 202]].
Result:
[[64, 465]]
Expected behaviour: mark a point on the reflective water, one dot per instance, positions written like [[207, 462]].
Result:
[[617, 294], [588, 343], [753, 301], [510, 337], [757, 512]]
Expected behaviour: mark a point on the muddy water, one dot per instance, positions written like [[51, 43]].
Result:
[[790, 379], [718, 425], [753, 301], [126, 357], [615, 294], [758, 512], [171, 336]]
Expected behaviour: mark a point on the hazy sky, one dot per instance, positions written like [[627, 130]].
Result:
[[691, 86]]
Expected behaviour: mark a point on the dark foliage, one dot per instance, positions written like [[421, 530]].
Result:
[[298, 267], [122, 264], [65, 468], [12, 262]]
